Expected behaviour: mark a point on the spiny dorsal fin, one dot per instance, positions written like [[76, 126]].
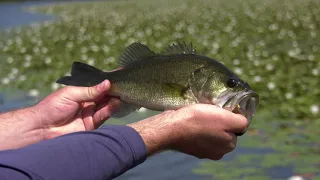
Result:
[[134, 52], [180, 48]]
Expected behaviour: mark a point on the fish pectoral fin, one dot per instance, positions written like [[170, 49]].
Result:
[[134, 52], [184, 92], [180, 48], [124, 109], [175, 86]]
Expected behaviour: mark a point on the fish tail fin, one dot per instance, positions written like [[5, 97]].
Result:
[[83, 75]]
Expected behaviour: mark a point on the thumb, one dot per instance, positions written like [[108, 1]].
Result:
[[86, 94]]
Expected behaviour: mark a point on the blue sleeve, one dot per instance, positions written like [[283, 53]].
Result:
[[101, 154]]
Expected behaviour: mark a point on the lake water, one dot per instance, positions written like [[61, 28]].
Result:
[[167, 165]]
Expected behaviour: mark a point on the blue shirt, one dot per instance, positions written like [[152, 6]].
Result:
[[103, 154]]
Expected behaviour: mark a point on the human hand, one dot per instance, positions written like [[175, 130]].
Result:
[[72, 109], [201, 130]]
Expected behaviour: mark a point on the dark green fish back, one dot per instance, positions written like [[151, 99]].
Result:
[[168, 68]]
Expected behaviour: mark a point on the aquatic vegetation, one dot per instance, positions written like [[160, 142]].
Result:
[[274, 45]]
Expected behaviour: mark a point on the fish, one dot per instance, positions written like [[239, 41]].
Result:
[[176, 77]]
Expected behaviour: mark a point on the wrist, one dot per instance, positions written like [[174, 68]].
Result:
[[19, 128], [156, 134]]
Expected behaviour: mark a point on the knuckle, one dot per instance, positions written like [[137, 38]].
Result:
[[232, 146], [189, 112], [90, 92], [228, 138], [230, 143], [65, 89], [221, 117], [200, 156], [193, 114]]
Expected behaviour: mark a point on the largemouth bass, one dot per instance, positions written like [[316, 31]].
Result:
[[169, 80]]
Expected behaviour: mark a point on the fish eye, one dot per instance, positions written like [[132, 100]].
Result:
[[231, 83]]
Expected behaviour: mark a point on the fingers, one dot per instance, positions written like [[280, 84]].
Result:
[[86, 94], [230, 121], [235, 123], [214, 152], [209, 131], [87, 112], [94, 114], [209, 147], [104, 111]]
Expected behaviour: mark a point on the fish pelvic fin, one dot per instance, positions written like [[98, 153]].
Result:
[[83, 75], [134, 52], [180, 48]]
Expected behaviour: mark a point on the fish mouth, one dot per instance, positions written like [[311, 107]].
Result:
[[245, 102]]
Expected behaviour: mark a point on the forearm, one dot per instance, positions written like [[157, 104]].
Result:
[[157, 134], [19, 128], [101, 154]]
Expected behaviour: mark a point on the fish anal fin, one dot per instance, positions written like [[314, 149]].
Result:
[[134, 52], [124, 109]]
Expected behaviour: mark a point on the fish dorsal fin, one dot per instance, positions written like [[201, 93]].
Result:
[[134, 52], [180, 48]]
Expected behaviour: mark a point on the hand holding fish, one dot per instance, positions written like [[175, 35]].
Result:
[[69, 109], [201, 130], [73, 109]]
